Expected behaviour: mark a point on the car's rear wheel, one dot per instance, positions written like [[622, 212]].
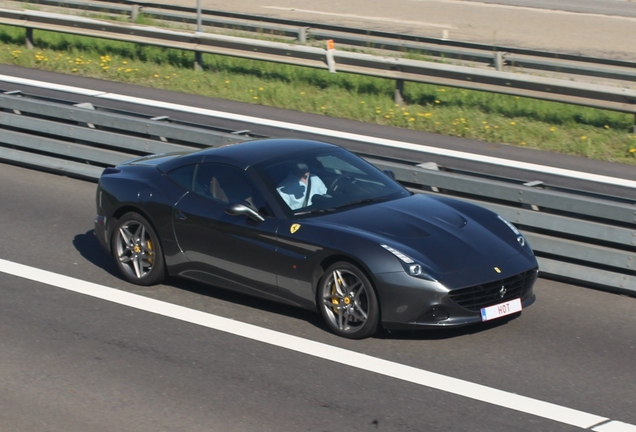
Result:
[[347, 301], [137, 250]]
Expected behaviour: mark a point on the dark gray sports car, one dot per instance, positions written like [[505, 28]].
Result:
[[312, 225]]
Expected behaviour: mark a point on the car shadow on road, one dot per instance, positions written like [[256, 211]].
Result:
[[237, 298], [88, 246]]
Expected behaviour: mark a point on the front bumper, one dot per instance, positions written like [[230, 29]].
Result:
[[410, 303]]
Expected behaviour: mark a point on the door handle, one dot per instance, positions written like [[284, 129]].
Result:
[[180, 215]]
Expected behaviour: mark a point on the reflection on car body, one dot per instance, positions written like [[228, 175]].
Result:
[[361, 249]]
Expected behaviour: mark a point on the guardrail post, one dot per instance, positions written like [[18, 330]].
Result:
[[134, 13], [302, 35], [398, 97], [29, 38], [499, 60], [198, 60], [159, 119]]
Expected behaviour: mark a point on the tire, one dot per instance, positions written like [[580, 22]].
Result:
[[137, 250], [347, 301]]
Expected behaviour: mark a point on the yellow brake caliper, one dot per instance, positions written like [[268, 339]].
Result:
[[334, 297], [151, 254]]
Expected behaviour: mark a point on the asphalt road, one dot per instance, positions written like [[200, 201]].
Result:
[[71, 362]]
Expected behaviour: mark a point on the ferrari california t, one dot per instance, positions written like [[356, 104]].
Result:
[[312, 225]]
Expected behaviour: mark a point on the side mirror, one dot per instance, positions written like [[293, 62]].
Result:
[[243, 210], [390, 174]]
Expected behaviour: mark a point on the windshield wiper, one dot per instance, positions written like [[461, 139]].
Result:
[[315, 211], [361, 201], [343, 206]]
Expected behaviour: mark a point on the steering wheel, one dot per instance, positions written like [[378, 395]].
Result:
[[340, 183]]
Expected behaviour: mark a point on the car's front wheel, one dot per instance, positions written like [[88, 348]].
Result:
[[347, 301], [137, 250]]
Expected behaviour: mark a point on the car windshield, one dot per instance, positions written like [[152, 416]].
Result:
[[326, 180]]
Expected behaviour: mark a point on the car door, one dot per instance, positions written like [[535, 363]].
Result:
[[232, 251]]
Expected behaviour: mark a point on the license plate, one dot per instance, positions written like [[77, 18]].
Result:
[[501, 309]]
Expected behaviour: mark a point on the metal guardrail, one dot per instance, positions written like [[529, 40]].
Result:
[[499, 57], [591, 240], [399, 69], [80, 140]]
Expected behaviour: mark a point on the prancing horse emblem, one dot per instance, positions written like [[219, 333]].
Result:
[[502, 291]]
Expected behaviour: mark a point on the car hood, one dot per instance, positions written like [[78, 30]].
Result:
[[434, 232]]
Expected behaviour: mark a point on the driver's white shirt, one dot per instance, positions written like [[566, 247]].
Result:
[[293, 190]]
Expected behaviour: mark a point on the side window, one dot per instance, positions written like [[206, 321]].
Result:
[[227, 184], [183, 176]]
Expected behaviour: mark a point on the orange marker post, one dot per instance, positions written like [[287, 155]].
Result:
[[330, 61]]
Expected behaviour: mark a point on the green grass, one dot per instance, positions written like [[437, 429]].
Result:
[[562, 128]]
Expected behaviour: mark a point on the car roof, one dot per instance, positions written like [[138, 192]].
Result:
[[246, 153]]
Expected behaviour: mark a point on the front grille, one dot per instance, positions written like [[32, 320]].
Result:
[[479, 296]]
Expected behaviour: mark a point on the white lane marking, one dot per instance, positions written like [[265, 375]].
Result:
[[363, 17], [337, 134], [50, 86], [615, 426], [365, 362]]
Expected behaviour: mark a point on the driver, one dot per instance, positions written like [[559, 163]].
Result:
[[294, 189]]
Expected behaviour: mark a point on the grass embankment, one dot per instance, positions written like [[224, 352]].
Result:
[[562, 128]]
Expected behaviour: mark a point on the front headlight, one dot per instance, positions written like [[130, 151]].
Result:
[[520, 238], [410, 266]]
